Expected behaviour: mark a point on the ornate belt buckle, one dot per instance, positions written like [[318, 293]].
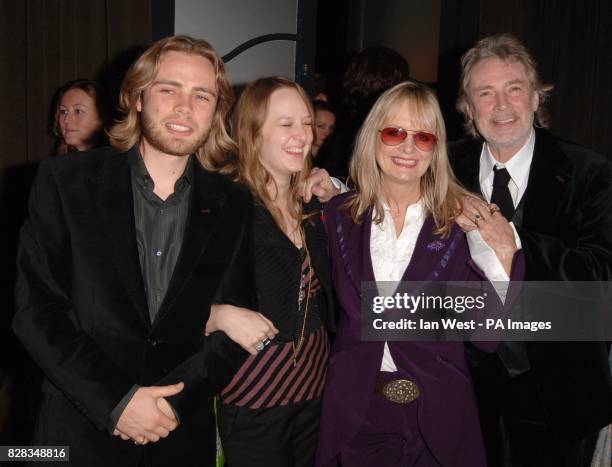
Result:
[[401, 391]]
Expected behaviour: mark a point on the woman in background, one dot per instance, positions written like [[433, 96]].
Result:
[[79, 117], [325, 122]]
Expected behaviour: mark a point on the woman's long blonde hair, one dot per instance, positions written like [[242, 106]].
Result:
[[247, 122], [440, 191]]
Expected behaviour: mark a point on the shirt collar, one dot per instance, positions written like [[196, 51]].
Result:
[[141, 175], [414, 211], [518, 165], [137, 166]]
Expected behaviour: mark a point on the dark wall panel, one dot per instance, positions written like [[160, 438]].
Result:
[[44, 43], [13, 117], [601, 116], [571, 42]]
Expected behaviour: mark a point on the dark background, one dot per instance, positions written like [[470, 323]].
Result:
[[44, 43], [570, 40]]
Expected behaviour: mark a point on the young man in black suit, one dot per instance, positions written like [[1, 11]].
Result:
[[541, 403], [123, 254]]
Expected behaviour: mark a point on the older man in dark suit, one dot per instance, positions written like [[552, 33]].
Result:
[[541, 403], [123, 254]]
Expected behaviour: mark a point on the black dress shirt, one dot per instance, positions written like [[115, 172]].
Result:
[[160, 225]]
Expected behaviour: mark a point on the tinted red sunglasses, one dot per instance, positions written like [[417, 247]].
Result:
[[392, 136]]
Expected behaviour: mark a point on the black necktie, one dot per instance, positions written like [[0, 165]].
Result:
[[501, 194]]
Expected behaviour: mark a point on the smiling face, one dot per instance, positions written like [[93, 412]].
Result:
[[502, 103], [78, 119], [402, 166], [177, 109], [286, 135]]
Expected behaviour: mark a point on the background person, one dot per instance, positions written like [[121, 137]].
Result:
[[79, 117], [325, 123]]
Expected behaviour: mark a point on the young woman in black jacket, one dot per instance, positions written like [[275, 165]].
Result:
[[269, 413]]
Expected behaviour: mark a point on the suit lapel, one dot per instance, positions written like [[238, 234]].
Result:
[[354, 245], [267, 231], [367, 269], [315, 240], [116, 208], [466, 163], [207, 198], [354, 242], [548, 177], [427, 250]]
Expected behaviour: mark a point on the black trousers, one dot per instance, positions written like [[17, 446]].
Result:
[[513, 426], [283, 436]]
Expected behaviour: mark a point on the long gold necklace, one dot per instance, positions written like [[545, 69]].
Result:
[[297, 348]]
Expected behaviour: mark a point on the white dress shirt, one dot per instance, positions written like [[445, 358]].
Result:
[[391, 255], [518, 167]]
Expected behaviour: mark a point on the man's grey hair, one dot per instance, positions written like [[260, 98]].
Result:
[[505, 47]]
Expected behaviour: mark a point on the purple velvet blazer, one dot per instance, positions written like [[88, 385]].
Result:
[[447, 413]]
